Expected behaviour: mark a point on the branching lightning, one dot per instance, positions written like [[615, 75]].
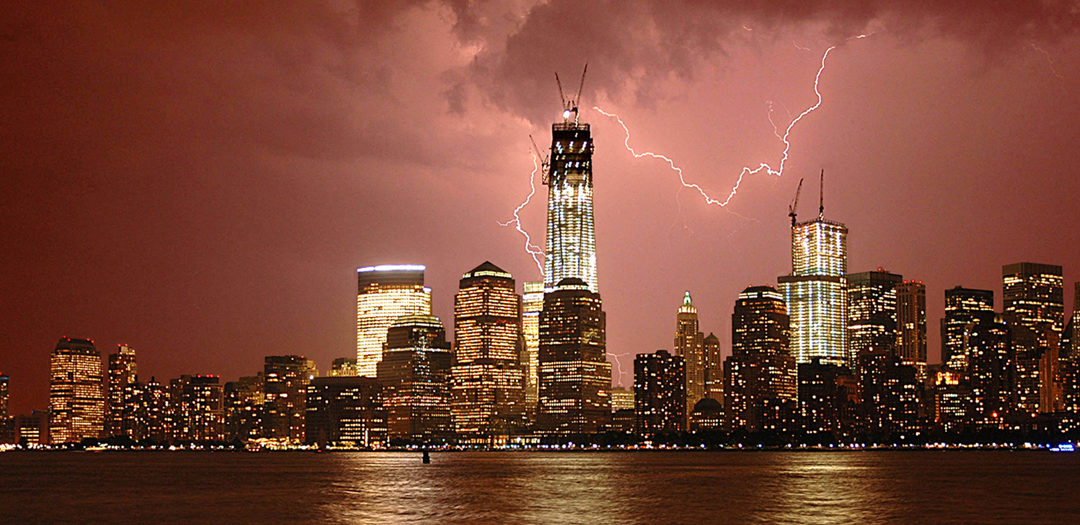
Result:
[[763, 167], [618, 365], [1051, 65], [533, 250]]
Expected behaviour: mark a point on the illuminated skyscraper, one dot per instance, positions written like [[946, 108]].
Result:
[[1033, 300], [962, 305], [488, 380], [415, 377], [714, 368], [911, 322], [385, 293], [199, 405], [1033, 293], [690, 344], [575, 377], [814, 292], [285, 380], [122, 372], [991, 369], [760, 373], [571, 237], [76, 391], [532, 304], [659, 393], [871, 311], [244, 399]]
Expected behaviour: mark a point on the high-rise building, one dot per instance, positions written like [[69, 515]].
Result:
[[690, 344], [285, 380], [1033, 293], [531, 305], [244, 404], [911, 320], [76, 391], [714, 368], [659, 393], [385, 293], [415, 377], [814, 292], [161, 412], [962, 305], [122, 372], [488, 399], [991, 369], [575, 377], [1034, 306], [199, 404], [891, 394], [871, 311], [571, 236], [760, 373], [345, 410]]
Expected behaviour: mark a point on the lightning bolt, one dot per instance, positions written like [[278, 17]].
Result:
[[618, 365], [533, 250], [1050, 63], [763, 167]]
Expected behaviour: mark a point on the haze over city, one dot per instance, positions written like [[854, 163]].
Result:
[[202, 182]]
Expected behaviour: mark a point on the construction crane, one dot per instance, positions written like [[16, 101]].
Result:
[[821, 197], [571, 105], [794, 203], [544, 161]]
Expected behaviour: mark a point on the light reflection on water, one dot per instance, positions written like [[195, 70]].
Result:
[[533, 487]]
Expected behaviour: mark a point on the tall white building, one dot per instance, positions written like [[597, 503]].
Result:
[[384, 294], [571, 236], [815, 292]]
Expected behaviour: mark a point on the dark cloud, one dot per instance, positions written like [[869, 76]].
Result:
[[650, 40]]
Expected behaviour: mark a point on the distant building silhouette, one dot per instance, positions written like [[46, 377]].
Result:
[[659, 393]]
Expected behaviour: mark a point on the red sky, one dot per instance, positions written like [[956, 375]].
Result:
[[201, 181]]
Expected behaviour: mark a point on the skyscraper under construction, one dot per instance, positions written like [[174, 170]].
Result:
[[814, 292], [571, 237]]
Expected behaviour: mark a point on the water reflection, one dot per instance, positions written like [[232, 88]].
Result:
[[532, 487]]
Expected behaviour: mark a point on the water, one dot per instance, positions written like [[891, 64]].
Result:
[[533, 487]]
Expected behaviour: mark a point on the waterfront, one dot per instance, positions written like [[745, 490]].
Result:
[[534, 487]]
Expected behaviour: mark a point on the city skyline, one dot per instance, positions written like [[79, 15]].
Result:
[[123, 238]]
